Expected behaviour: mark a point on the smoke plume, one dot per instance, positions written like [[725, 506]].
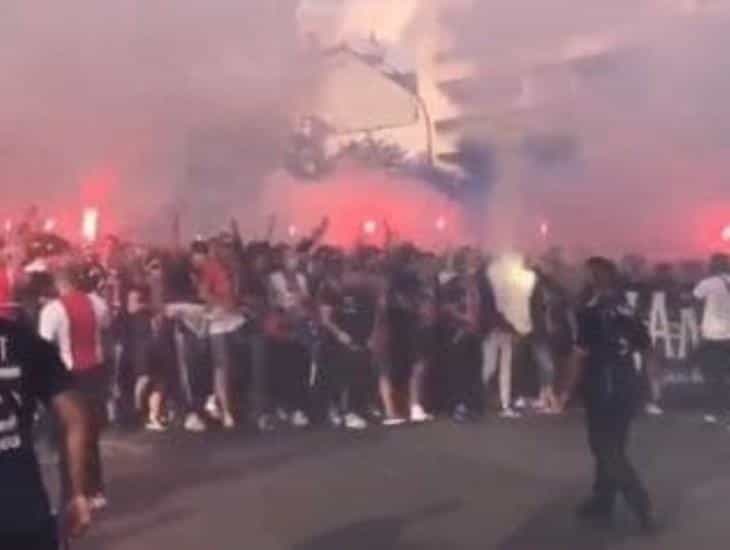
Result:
[[145, 107], [636, 89]]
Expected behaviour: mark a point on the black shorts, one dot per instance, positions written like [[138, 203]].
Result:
[[93, 384]]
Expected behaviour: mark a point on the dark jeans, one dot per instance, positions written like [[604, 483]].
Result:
[[193, 369], [463, 363], [259, 375], [45, 538], [608, 433], [345, 377], [289, 367], [715, 363]]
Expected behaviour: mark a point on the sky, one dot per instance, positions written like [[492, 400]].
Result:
[[152, 107]]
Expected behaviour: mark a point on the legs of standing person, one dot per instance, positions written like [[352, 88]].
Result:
[[93, 386], [473, 382], [156, 403], [260, 402], [276, 358], [543, 358], [457, 376], [426, 346], [358, 383], [293, 380], [465, 362], [220, 346], [416, 391], [191, 373], [650, 368], [604, 490], [353, 368], [505, 373], [608, 432], [329, 386], [498, 356], [715, 359], [386, 388]]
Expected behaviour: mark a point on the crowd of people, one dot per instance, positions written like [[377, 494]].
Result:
[[226, 332]]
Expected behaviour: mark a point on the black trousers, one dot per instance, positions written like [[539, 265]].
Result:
[[463, 363], [715, 363], [290, 365], [45, 538], [194, 370], [608, 434], [259, 374], [345, 377]]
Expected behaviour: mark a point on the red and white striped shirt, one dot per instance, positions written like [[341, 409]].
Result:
[[74, 323]]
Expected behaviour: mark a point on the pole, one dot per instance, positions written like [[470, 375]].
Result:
[[429, 128]]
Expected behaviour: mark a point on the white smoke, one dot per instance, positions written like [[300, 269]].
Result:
[[639, 87]]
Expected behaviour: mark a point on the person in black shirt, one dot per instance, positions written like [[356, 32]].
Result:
[[608, 337], [31, 371], [347, 304]]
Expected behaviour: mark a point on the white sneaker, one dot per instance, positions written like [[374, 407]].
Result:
[[212, 408], [509, 413], [393, 421], [154, 425], [299, 419], [282, 415], [265, 423], [355, 422], [98, 502], [521, 403], [229, 423], [420, 415], [335, 418], [193, 423], [711, 419], [652, 409]]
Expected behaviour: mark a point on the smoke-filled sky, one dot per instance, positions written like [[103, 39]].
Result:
[[185, 104], [652, 122], [136, 96]]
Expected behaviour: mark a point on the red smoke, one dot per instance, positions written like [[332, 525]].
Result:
[[362, 203]]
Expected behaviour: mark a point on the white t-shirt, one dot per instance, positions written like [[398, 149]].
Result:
[[715, 292], [513, 285]]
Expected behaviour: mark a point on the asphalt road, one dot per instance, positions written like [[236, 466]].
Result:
[[507, 485]]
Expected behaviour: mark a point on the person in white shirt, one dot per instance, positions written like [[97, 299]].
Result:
[[714, 293], [513, 285]]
